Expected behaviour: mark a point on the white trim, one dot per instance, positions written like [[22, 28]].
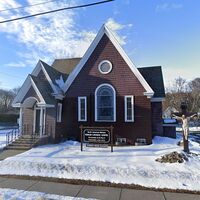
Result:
[[125, 108], [105, 61], [44, 121], [59, 113], [37, 91], [34, 118], [45, 105], [41, 121], [25, 102], [37, 70], [16, 105], [114, 103], [58, 96], [23, 91], [49, 79], [104, 30], [20, 119], [79, 109], [157, 99]]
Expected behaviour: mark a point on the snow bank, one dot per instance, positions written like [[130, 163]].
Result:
[[128, 165], [8, 194]]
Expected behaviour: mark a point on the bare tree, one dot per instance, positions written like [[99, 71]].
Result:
[[6, 98], [183, 91], [194, 99]]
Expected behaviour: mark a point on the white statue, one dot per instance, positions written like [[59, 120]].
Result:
[[185, 123]]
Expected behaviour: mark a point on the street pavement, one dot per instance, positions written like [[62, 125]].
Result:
[[86, 191]]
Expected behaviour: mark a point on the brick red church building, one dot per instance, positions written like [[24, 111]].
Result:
[[102, 88]]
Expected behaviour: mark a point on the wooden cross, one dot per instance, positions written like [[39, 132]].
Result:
[[185, 118]]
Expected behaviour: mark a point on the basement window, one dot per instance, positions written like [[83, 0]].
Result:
[[121, 140]]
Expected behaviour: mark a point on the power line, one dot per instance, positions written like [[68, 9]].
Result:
[[21, 7], [57, 10]]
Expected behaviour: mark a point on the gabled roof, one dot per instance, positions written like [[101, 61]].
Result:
[[154, 77], [104, 30], [45, 89], [53, 73], [65, 65], [28, 83]]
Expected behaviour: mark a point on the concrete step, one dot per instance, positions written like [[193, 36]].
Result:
[[21, 145], [25, 141], [17, 148]]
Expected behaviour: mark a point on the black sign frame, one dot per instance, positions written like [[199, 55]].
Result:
[[97, 136]]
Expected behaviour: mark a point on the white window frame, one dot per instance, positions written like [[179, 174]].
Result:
[[114, 103], [59, 112], [102, 62], [79, 109], [125, 108]]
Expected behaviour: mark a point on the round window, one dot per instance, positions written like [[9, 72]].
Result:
[[105, 67]]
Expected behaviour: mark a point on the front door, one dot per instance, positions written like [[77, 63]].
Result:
[[37, 121]]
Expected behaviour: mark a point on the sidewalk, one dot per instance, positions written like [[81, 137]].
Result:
[[98, 192], [8, 153]]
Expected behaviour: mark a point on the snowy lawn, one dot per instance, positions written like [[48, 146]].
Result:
[[127, 165], [8, 194]]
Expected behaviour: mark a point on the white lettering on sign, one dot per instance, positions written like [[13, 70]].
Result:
[[96, 136]]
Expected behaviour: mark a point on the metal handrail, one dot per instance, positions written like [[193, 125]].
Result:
[[12, 135]]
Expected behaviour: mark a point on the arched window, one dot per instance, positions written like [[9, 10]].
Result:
[[105, 103]]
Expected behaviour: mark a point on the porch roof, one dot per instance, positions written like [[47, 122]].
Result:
[[45, 89]]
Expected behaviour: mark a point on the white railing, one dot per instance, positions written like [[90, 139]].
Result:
[[12, 135]]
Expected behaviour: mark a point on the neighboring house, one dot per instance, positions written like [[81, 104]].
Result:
[[101, 89]]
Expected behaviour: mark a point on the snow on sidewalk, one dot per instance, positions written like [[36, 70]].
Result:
[[128, 165], [13, 194]]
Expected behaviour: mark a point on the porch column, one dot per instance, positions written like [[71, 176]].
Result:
[[41, 121], [20, 120]]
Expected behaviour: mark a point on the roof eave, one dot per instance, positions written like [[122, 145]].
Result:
[[104, 30]]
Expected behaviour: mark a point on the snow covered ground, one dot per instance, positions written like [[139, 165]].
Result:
[[128, 165], [8, 194]]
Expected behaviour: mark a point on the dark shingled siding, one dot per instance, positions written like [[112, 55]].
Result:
[[124, 82]]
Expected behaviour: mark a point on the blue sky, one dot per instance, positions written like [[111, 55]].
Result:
[[152, 32]]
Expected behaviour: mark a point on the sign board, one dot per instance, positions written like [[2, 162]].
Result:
[[97, 145], [96, 136]]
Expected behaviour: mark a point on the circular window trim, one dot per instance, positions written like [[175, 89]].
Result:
[[105, 61]]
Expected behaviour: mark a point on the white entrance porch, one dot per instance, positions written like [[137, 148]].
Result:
[[35, 121]]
